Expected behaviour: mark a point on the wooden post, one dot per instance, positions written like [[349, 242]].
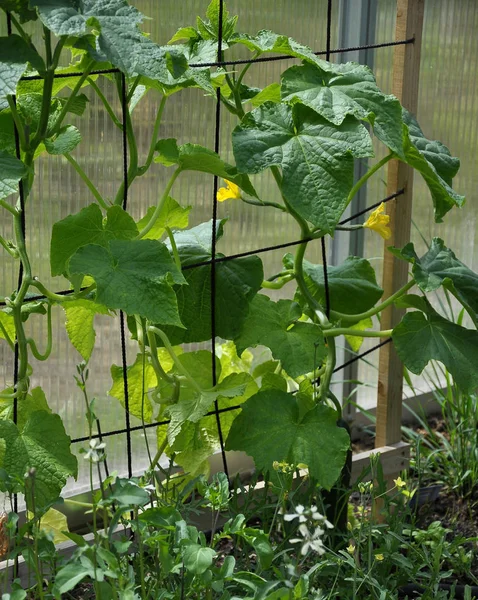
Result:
[[406, 71]]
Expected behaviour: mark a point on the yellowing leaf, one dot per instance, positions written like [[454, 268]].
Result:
[[354, 341], [80, 315]]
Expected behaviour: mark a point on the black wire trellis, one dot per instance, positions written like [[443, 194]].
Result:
[[216, 412]]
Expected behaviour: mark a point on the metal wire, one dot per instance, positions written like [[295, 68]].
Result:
[[214, 258]]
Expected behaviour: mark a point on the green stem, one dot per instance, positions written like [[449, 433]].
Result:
[[264, 203], [160, 205], [134, 85], [38, 355], [105, 102], [326, 378], [246, 68], [16, 119], [72, 96], [367, 176], [160, 372], [78, 503], [334, 332], [158, 455], [337, 316], [47, 38], [58, 297], [277, 285], [89, 184], [173, 355], [174, 248], [349, 228], [157, 124], [12, 251], [10, 209]]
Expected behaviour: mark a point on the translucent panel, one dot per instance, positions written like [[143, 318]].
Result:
[[447, 110]]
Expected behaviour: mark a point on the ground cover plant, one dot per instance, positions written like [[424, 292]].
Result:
[[307, 130]]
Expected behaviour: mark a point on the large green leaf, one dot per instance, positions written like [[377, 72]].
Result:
[[33, 401], [87, 227], [315, 155], [11, 171], [134, 276], [172, 215], [43, 445], [15, 54], [299, 346], [193, 157], [270, 428], [119, 42], [421, 337], [80, 315], [346, 89], [268, 41], [440, 267], [237, 282], [437, 167], [352, 285]]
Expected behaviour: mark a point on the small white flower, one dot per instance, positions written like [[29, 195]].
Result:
[[300, 513]]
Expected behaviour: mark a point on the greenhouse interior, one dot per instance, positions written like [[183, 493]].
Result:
[[238, 305]]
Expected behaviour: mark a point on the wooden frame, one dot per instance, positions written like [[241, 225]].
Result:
[[406, 71]]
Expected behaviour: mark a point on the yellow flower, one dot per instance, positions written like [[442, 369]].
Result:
[[399, 482], [350, 548], [230, 192], [379, 557], [379, 222]]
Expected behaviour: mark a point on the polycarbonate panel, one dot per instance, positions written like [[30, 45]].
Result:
[[447, 111]]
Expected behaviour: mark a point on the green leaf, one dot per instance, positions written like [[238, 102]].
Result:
[[41, 444], [30, 109], [440, 267], [346, 89], [237, 282], [128, 493], [8, 322], [198, 441], [120, 40], [352, 285], [315, 155], [197, 559], [209, 30], [21, 7], [268, 41], [138, 387], [134, 276], [64, 142], [184, 33], [172, 215], [194, 408], [269, 428], [87, 227], [299, 346], [70, 575], [271, 93], [193, 157], [15, 54], [80, 315], [436, 165], [33, 401], [11, 171], [419, 338]]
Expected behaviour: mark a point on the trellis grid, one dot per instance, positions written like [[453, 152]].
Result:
[[128, 429]]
